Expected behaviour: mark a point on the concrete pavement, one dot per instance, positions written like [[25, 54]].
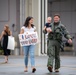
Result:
[[16, 66]]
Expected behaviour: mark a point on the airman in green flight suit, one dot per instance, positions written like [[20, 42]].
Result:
[[55, 34]]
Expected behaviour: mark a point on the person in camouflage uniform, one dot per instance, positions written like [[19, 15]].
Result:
[[55, 34]]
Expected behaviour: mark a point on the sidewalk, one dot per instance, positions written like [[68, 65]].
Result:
[[16, 66]]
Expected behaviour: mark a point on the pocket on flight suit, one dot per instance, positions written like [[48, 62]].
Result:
[[51, 51]]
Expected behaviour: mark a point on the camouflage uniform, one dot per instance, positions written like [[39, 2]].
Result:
[[54, 43]]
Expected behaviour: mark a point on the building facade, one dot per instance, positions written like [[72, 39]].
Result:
[[14, 13]]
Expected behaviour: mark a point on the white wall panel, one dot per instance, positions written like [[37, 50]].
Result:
[[65, 5], [4, 10], [66, 20], [73, 22]]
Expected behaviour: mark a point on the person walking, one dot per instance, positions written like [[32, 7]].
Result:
[[30, 49], [55, 39], [4, 35]]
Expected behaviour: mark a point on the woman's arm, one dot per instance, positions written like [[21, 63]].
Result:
[[35, 29], [1, 35], [22, 31], [10, 33]]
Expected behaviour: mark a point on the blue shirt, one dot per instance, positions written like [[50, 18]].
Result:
[[47, 25]]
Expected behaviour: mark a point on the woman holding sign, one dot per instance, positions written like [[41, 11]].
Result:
[[4, 35], [29, 50]]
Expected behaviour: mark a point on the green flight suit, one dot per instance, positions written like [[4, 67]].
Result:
[[54, 43]]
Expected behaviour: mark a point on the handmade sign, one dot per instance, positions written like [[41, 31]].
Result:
[[30, 38]]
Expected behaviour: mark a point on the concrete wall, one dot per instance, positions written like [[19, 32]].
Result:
[[67, 11], [31, 8], [7, 13], [10, 14], [38, 9], [16, 11]]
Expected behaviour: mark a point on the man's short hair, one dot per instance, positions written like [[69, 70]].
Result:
[[57, 15]]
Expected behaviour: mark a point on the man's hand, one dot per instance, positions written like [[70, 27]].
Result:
[[48, 30], [70, 41]]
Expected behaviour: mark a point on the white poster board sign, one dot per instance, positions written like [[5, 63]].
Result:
[[11, 43], [30, 38]]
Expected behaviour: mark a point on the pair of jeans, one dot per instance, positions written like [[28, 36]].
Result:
[[29, 50]]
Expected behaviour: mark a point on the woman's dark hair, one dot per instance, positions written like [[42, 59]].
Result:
[[27, 21]]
